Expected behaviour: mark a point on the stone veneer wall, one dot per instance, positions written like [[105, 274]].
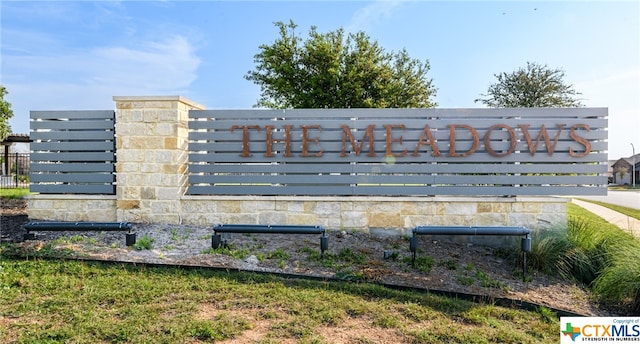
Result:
[[366, 214], [376, 214], [151, 157], [151, 175]]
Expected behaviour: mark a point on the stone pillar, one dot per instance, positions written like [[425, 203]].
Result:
[[151, 157]]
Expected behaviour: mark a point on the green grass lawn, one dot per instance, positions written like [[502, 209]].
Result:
[[51, 301], [14, 192]]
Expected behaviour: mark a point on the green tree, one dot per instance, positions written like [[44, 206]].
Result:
[[533, 86], [334, 70], [5, 114]]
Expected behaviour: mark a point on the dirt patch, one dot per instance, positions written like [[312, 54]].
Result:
[[442, 266]]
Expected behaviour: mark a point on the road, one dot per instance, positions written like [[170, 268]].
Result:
[[629, 199]]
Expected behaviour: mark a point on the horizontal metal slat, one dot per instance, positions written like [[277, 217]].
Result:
[[391, 190], [71, 167], [72, 125], [73, 189], [403, 113], [64, 136], [73, 157], [316, 179], [72, 178], [73, 146], [380, 158], [399, 168], [312, 124], [73, 114]]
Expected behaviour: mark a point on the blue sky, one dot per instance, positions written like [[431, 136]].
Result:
[[58, 55]]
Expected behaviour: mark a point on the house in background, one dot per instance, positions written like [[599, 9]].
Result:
[[623, 168]]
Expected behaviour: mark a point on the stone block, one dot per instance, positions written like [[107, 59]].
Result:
[[123, 105], [309, 207], [354, 220], [192, 206], [150, 116], [257, 206], [295, 207], [526, 207], [144, 143], [150, 168], [272, 217], [386, 220], [484, 208], [429, 208], [35, 203], [136, 116], [455, 208], [240, 218], [411, 221], [170, 143], [384, 207], [164, 156], [501, 207], [102, 215], [490, 219], [161, 104], [148, 193], [301, 219], [229, 207], [126, 155], [128, 204], [163, 207], [165, 129], [168, 116], [127, 167], [129, 193], [522, 219], [328, 209], [169, 193], [409, 208]]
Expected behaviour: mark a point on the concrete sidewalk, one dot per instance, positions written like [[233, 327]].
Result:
[[624, 222]]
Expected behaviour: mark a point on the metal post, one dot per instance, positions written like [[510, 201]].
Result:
[[15, 162], [633, 166]]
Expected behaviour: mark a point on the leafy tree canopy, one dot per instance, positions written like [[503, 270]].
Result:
[[533, 86], [334, 70], [5, 114]]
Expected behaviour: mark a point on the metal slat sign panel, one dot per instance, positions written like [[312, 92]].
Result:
[[73, 152], [532, 151]]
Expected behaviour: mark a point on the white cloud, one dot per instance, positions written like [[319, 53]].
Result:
[[368, 16], [87, 79], [167, 66]]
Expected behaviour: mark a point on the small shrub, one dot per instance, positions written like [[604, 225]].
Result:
[[619, 282], [229, 250], [465, 280], [488, 281], [422, 263], [350, 256], [279, 254], [450, 264], [144, 243]]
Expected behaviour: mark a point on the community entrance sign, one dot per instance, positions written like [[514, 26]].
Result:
[[398, 152]]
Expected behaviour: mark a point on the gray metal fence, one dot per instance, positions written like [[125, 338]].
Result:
[[15, 170], [398, 152], [73, 152]]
